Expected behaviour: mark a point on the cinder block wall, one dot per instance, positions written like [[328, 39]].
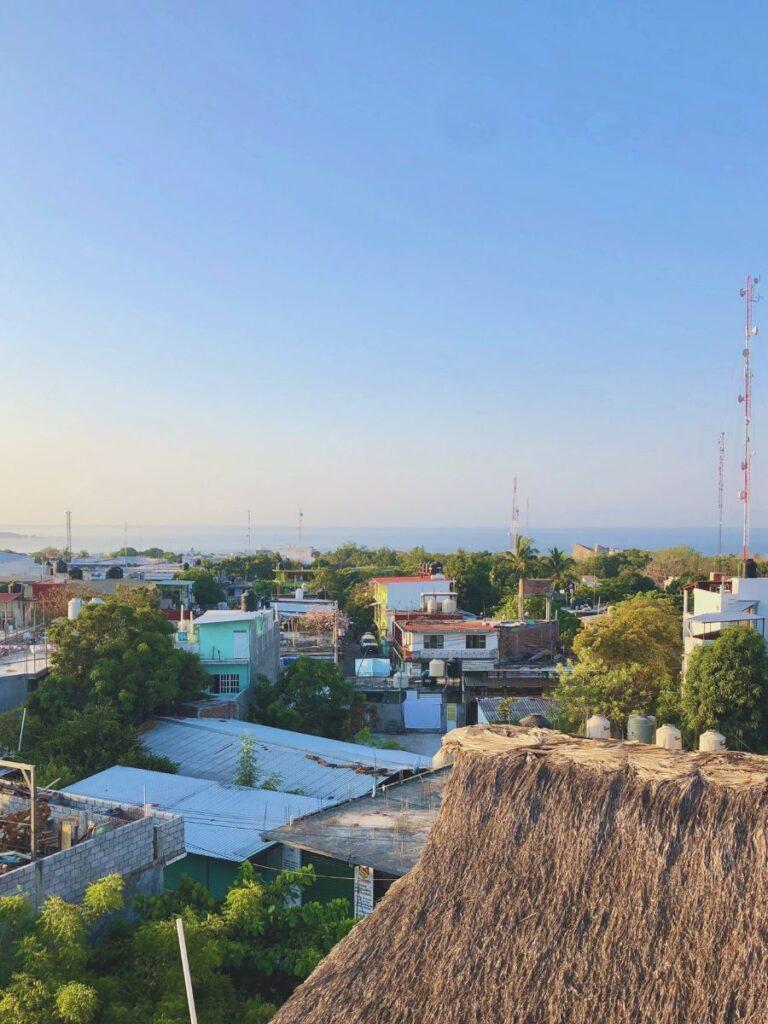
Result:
[[137, 850]]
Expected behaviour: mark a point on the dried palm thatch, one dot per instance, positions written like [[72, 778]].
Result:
[[568, 881]]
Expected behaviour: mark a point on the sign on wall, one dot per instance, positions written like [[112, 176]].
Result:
[[292, 862], [363, 890]]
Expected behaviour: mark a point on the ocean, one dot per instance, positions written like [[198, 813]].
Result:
[[223, 539]]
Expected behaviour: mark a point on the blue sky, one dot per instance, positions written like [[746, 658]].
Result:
[[375, 259]]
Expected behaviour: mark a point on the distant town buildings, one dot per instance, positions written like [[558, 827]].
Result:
[[581, 552]]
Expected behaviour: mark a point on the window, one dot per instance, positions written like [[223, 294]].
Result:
[[433, 642], [226, 682], [476, 641]]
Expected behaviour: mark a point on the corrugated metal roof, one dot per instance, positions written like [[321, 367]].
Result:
[[310, 765], [518, 708], [221, 821], [211, 618]]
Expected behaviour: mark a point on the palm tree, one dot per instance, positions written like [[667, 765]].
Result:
[[559, 566], [524, 556]]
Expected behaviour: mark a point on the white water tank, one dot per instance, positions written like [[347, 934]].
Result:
[[669, 737], [299, 593], [712, 740], [449, 605], [598, 728], [436, 668], [74, 607], [431, 606]]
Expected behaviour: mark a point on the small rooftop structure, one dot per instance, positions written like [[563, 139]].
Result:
[[212, 617], [385, 832], [488, 708], [567, 880], [314, 766], [220, 821]]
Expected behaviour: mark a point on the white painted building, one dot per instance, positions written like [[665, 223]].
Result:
[[418, 640], [712, 606]]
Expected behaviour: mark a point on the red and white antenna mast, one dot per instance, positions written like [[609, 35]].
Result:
[[748, 294]]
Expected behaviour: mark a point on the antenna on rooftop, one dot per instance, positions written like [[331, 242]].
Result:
[[748, 294], [720, 469], [514, 526], [69, 532]]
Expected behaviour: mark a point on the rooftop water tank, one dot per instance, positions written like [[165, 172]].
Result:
[[449, 605], [436, 668], [61, 565], [669, 737], [536, 722], [299, 593], [114, 572], [74, 607], [712, 740], [75, 573], [15, 588], [431, 606], [598, 728], [640, 728]]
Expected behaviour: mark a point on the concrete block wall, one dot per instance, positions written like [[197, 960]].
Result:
[[137, 850]]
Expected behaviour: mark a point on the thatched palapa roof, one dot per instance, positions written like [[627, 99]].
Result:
[[568, 881]]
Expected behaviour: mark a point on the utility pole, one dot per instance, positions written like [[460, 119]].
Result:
[[514, 526], [249, 531], [69, 533], [185, 969], [748, 294], [720, 471]]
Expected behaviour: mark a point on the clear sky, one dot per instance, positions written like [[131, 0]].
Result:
[[375, 258]]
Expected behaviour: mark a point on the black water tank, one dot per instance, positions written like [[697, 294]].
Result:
[[536, 722], [61, 565], [114, 572], [75, 573], [15, 588], [750, 569]]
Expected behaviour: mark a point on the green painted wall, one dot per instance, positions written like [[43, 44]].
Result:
[[336, 878]]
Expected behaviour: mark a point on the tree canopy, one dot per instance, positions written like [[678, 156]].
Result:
[[111, 669], [208, 591], [247, 953], [309, 696], [726, 688], [628, 660]]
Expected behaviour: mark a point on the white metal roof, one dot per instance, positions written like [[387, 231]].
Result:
[[312, 765], [220, 821], [730, 615], [210, 618]]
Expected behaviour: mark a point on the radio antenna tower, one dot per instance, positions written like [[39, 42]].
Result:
[[720, 469], [748, 294], [514, 526]]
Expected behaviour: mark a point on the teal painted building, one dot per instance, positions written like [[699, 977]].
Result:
[[234, 647]]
